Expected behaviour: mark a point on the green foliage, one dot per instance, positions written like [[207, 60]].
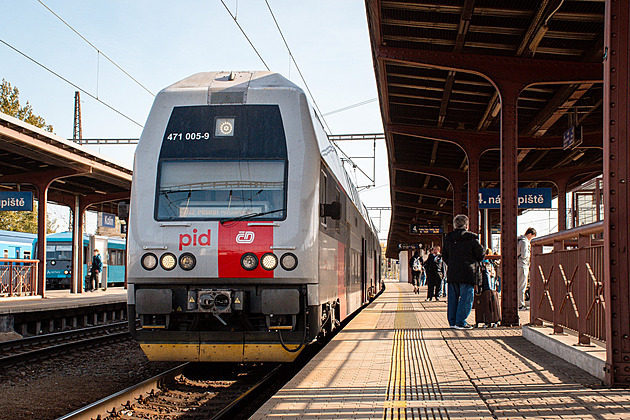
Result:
[[24, 221], [10, 105], [21, 221]]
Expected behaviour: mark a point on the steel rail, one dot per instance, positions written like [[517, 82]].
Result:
[[57, 348], [59, 336], [230, 411], [123, 398]]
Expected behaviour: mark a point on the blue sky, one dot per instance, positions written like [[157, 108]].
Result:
[[161, 42]]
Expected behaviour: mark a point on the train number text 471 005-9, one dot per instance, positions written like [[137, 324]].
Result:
[[188, 136]]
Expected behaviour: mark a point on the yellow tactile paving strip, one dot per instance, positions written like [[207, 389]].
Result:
[[399, 360]]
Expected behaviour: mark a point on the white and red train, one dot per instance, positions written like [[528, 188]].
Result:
[[247, 239]]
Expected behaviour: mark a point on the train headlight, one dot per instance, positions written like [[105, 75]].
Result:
[[66, 272], [289, 261], [149, 261], [224, 127], [187, 261], [168, 261], [249, 261], [53, 262], [269, 261]]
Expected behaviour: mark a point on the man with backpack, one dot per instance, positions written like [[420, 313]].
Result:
[[416, 269]]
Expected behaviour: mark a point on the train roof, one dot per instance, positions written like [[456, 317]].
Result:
[[67, 237], [7, 236], [241, 81], [237, 81]]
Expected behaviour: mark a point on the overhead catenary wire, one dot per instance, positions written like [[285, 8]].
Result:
[[97, 49], [72, 84], [297, 67], [245, 35], [345, 108]]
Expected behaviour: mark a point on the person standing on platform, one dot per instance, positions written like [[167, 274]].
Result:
[[462, 253], [416, 269], [95, 270], [433, 270], [523, 252]]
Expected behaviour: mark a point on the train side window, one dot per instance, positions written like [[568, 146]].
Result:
[[5, 253], [115, 257], [27, 255], [323, 183]]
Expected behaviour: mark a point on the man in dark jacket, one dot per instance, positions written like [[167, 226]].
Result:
[[95, 270], [462, 251], [433, 270]]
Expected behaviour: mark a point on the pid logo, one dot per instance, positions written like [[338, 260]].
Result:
[[245, 237], [186, 239]]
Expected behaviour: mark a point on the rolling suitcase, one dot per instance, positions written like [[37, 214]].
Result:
[[487, 306]]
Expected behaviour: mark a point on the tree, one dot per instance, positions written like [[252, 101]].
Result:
[[25, 221], [21, 221], [10, 105]]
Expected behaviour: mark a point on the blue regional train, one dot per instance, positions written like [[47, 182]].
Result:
[[22, 245]]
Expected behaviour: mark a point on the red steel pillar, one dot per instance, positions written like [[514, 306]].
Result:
[[458, 198], [77, 244], [509, 202], [42, 201], [616, 201]]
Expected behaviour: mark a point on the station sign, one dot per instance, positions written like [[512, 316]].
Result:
[[16, 201], [107, 220], [572, 137], [416, 229], [528, 198]]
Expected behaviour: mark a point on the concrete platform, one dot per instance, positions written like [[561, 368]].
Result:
[[61, 299], [591, 359], [399, 359]]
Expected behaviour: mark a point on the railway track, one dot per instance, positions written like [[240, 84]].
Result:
[[40, 346], [186, 389]]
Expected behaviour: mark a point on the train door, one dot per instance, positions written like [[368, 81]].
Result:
[[363, 271], [100, 243], [377, 271]]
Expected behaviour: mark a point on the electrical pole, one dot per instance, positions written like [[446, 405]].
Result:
[[77, 133]]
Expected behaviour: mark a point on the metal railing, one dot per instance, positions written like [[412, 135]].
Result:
[[18, 277], [567, 284]]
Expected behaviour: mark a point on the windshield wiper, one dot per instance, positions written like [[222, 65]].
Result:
[[249, 216]]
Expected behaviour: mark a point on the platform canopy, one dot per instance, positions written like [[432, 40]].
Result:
[[30, 156], [441, 113]]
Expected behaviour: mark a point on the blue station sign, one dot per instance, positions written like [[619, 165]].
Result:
[[528, 198], [108, 220], [16, 201]]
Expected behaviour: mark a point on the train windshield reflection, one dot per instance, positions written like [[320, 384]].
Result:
[[212, 190]]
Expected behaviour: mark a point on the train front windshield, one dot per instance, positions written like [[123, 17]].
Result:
[[59, 252], [221, 189], [221, 162]]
